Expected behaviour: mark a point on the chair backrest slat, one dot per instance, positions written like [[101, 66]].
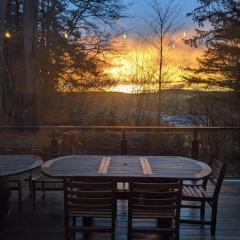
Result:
[[160, 208], [155, 194], [154, 201], [91, 201], [85, 186], [87, 208], [90, 194], [155, 186]]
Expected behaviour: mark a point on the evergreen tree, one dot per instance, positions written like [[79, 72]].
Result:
[[72, 34], [219, 30]]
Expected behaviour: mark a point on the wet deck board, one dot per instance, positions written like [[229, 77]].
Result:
[[47, 222]]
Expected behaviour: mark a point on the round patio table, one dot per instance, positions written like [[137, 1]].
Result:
[[125, 168], [12, 165]]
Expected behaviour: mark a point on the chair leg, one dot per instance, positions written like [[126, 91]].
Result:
[[177, 226], [74, 221], [130, 218], [19, 196], [43, 190], [30, 186], [202, 213], [213, 220], [33, 196], [87, 221], [66, 228], [129, 229], [113, 228], [129, 234]]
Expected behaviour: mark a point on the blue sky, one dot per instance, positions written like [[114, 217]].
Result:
[[140, 10]]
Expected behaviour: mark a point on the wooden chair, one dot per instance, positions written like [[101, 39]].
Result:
[[89, 199], [44, 184], [193, 193], [160, 201]]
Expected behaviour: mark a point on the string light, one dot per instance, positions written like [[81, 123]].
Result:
[[173, 46], [66, 35], [8, 34], [124, 36], [184, 34]]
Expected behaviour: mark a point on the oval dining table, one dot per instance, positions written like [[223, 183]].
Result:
[[126, 168], [11, 165]]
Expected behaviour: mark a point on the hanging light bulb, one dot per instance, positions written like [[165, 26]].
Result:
[[184, 34], [124, 36], [173, 46]]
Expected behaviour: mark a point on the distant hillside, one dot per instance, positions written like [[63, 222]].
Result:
[[112, 107], [179, 92]]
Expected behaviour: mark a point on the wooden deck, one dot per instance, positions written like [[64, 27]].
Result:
[[47, 222]]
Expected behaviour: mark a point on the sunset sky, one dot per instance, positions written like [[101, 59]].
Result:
[[124, 68]]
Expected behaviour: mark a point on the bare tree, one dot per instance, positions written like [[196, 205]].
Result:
[[141, 80], [163, 25]]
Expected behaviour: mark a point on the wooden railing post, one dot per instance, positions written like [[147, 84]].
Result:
[[124, 144], [195, 147]]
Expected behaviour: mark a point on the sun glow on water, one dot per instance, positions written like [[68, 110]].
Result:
[[124, 88]]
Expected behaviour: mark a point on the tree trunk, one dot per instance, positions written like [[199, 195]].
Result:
[[3, 10], [160, 78], [29, 32]]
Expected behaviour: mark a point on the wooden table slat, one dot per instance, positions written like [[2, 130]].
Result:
[[103, 169], [146, 165]]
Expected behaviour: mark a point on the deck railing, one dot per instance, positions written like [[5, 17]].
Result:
[[125, 130]]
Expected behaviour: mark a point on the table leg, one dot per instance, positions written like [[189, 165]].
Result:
[[4, 197]]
